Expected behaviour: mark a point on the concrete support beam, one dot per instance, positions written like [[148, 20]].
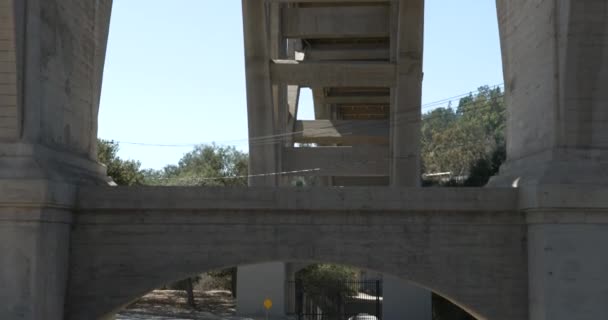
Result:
[[261, 119], [342, 132], [336, 22], [358, 100], [338, 161], [360, 181], [346, 54], [407, 93], [333, 74]]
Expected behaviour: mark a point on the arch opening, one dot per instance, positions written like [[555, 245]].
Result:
[[314, 290]]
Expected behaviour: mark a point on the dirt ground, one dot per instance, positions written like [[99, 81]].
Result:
[[172, 305]]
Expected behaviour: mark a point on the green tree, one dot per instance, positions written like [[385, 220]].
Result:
[[206, 165], [327, 283], [123, 172], [468, 141]]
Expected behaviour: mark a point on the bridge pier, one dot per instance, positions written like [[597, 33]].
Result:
[[50, 80], [34, 257], [556, 75]]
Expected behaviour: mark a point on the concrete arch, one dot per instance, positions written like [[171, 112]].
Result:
[[475, 258]]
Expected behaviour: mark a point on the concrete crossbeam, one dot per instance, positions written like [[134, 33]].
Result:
[[338, 161], [334, 74], [342, 132], [356, 100], [360, 181], [347, 55], [331, 22]]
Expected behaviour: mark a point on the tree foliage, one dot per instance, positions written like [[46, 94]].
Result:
[[467, 141], [206, 165], [123, 172], [327, 283]]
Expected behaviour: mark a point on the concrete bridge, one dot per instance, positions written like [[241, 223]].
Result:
[[530, 246]]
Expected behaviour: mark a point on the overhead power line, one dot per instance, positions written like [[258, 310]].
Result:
[[203, 178], [278, 138]]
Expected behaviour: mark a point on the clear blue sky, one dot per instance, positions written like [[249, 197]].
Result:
[[174, 71]]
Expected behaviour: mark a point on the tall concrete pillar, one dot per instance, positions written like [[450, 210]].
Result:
[[255, 283], [263, 156], [51, 61], [407, 39], [556, 75], [402, 300]]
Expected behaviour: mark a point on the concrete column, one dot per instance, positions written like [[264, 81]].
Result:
[[556, 77], [402, 300], [51, 60], [255, 283], [34, 253], [567, 272], [406, 95], [263, 156], [49, 115]]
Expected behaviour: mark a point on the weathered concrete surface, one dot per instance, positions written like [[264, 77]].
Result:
[[127, 241], [342, 132], [331, 22], [260, 109], [338, 161], [333, 74], [49, 93], [567, 271], [406, 94], [402, 300], [258, 282], [35, 220], [556, 75], [9, 112], [50, 80]]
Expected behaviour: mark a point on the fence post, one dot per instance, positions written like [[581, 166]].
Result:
[[378, 307], [299, 292]]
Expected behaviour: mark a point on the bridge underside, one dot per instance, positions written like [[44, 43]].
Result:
[[467, 245]]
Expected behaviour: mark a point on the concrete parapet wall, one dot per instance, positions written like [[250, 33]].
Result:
[[474, 257]]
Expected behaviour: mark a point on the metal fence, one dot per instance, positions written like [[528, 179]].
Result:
[[355, 300]]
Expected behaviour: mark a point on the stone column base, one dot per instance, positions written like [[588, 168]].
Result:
[[35, 222]]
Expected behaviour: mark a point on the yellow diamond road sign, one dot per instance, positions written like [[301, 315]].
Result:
[[267, 304]]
